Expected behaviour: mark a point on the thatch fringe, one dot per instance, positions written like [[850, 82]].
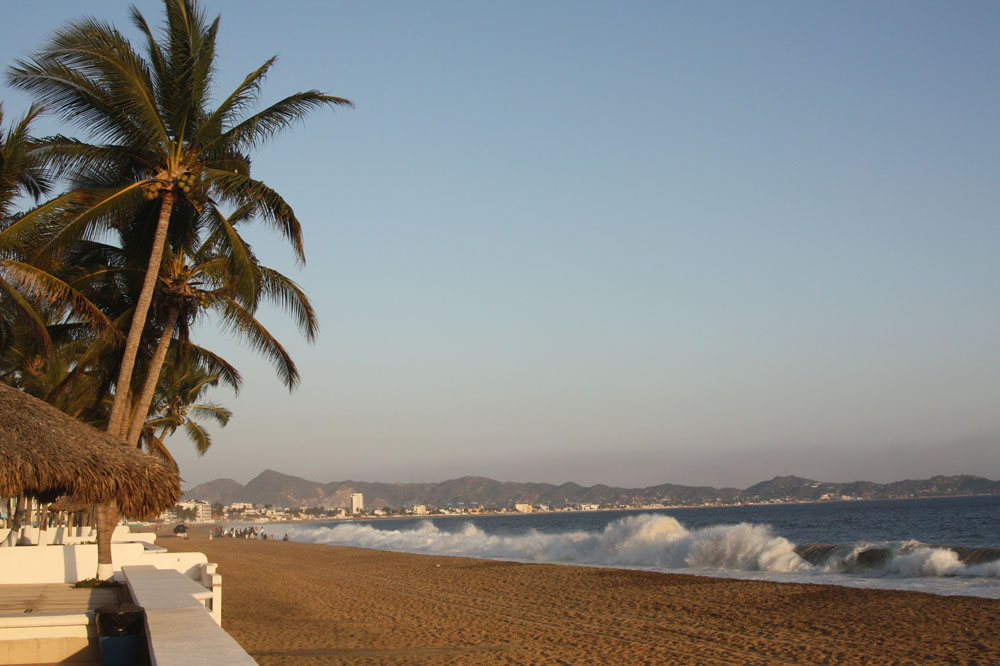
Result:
[[45, 453]]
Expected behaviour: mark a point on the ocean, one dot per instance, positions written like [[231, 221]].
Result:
[[942, 545]]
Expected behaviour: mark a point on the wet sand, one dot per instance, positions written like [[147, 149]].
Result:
[[294, 603]]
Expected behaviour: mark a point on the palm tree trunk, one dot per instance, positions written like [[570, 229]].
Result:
[[107, 518], [43, 525], [126, 416], [140, 313], [152, 377], [108, 514], [9, 522], [15, 525]]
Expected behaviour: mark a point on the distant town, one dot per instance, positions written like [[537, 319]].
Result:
[[200, 511], [477, 495]]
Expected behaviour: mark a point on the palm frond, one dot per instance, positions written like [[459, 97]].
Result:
[[27, 310], [262, 126], [156, 447], [241, 262], [216, 365], [20, 169], [263, 201], [53, 291], [36, 225], [76, 98], [243, 97], [157, 62], [90, 209], [93, 353], [287, 295], [240, 322], [189, 46], [220, 415], [92, 76], [202, 440], [85, 164]]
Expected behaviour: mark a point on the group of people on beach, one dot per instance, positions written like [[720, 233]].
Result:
[[250, 532]]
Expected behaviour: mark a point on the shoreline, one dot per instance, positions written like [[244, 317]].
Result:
[[739, 505], [298, 603]]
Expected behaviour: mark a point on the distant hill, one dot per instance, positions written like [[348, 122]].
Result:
[[282, 490]]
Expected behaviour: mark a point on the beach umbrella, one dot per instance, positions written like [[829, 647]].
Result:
[[46, 454]]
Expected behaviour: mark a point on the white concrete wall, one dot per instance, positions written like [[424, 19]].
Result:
[[76, 535], [69, 564]]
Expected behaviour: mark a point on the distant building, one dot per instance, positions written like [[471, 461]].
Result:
[[357, 503], [523, 508], [236, 506], [202, 510], [419, 510]]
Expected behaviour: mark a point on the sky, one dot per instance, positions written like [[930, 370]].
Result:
[[618, 242]]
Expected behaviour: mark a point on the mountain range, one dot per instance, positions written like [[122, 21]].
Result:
[[281, 490]]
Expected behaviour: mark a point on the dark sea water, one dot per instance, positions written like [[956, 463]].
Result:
[[941, 545]]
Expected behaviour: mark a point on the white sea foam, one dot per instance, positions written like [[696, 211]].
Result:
[[924, 561], [906, 559], [659, 542], [655, 541]]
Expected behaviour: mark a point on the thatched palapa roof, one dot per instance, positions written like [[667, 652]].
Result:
[[45, 453]]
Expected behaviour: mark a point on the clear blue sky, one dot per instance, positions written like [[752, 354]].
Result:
[[628, 243]]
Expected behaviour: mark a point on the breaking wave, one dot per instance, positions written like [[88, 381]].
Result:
[[661, 542], [908, 559], [636, 541]]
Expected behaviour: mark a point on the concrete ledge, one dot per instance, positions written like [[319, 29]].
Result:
[[47, 638], [44, 619], [61, 650], [189, 637], [164, 588], [180, 630]]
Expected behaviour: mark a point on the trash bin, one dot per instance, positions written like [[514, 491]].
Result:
[[120, 629]]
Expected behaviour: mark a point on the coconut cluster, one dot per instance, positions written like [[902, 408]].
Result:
[[152, 190], [186, 182]]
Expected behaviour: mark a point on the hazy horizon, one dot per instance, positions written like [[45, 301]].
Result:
[[639, 243], [188, 486]]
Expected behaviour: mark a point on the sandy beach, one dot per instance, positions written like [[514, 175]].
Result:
[[294, 603]]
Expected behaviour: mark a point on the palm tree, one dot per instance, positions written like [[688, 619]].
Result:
[[23, 283], [159, 136], [49, 368], [158, 141], [22, 173], [220, 276], [179, 403]]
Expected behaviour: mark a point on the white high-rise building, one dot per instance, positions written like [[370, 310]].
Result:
[[357, 503], [202, 510]]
